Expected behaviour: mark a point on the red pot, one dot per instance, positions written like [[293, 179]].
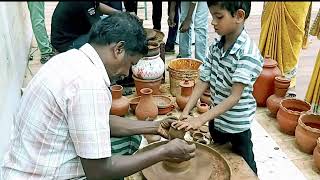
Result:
[[146, 108], [316, 154], [186, 91], [120, 104]]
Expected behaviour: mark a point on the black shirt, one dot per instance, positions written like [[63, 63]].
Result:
[[71, 20]]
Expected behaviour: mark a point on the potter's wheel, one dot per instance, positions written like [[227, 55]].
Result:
[[207, 165]]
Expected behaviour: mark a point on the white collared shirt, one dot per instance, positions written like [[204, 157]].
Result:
[[63, 114]]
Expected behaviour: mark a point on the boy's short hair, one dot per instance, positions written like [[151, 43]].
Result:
[[120, 27], [232, 6]]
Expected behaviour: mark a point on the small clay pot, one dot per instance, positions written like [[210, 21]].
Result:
[[154, 84], [133, 103], [289, 113], [175, 133], [307, 132], [146, 108], [316, 154], [204, 129], [164, 104], [197, 135], [186, 91], [202, 107], [206, 97], [120, 104]]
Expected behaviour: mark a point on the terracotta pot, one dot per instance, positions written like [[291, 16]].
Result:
[[151, 66], [202, 107], [133, 103], [307, 132], [316, 154], [264, 85], [289, 113], [175, 133], [153, 84], [206, 97], [186, 91], [146, 108], [120, 104], [163, 103], [281, 85], [197, 135]]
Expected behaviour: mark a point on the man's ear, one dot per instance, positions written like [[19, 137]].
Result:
[[240, 15], [118, 49]]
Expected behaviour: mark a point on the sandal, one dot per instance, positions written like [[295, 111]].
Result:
[[291, 93]]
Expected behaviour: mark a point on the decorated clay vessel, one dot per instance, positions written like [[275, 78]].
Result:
[[146, 108], [120, 104], [186, 91]]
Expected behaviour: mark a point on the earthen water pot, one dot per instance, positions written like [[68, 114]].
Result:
[[289, 113], [186, 91], [154, 84], [316, 154], [281, 85], [206, 97], [264, 85], [307, 132], [202, 107], [146, 108], [120, 104]]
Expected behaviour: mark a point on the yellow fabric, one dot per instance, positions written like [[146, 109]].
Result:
[[313, 93], [282, 33], [315, 28]]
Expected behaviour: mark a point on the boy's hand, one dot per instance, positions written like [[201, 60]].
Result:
[[171, 22], [190, 123]]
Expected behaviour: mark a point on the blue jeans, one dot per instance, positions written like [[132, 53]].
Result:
[[200, 23]]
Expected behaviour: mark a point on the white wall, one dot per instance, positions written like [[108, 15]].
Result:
[[15, 41]]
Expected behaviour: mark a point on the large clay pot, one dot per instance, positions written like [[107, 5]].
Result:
[[307, 132], [281, 85], [151, 66], [186, 91], [154, 84], [316, 154], [289, 113], [146, 108], [264, 85], [206, 97], [120, 104]]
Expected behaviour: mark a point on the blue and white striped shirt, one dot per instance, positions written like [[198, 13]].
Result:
[[241, 63]]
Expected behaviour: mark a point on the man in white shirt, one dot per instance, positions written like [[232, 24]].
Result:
[[62, 128]]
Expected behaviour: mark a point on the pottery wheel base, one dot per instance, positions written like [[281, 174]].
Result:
[[207, 165]]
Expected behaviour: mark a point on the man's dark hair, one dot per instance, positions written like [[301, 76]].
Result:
[[232, 6], [120, 27]]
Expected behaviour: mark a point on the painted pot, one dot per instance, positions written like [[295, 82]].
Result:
[[120, 104], [186, 91], [146, 108], [281, 85], [316, 154], [289, 113], [307, 132], [153, 84], [264, 85]]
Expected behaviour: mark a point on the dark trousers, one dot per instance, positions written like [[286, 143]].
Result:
[[156, 14], [241, 143], [172, 34], [131, 6]]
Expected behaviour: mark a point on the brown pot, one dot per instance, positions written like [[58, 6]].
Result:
[[281, 85], [316, 154], [120, 104], [206, 97], [146, 108], [307, 132], [264, 85], [154, 84], [153, 48], [202, 107], [175, 133], [133, 103], [163, 103], [289, 113], [186, 91]]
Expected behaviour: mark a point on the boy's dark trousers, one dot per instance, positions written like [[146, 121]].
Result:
[[172, 34], [241, 143]]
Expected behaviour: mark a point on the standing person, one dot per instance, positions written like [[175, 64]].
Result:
[[233, 64], [131, 6], [156, 14], [62, 128], [193, 12], [36, 9], [282, 36], [173, 21]]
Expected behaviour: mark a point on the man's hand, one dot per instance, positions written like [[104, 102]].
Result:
[[185, 25], [171, 22], [180, 149], [190, 123], [164, 126]]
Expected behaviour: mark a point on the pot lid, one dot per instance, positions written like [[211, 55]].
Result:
[[268, 62], [187, 83]]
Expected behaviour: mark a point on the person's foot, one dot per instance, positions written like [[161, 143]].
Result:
[[45, 58], [291, 93], [169, 49]]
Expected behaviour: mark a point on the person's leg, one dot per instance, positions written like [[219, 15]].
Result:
[[242, 145], [36, 9], [201, 30], [217, 136], [131, 6], [185, 38], [172, 34], [156, 14]]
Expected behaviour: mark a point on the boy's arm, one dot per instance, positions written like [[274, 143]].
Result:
[[185, 25], [172, 13]]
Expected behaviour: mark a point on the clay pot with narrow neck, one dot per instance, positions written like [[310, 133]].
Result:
[[289, 113], [154, 84], [206, 97], [146, 108], [120, 104], [186, 91], [281, 85], [264, 85], [307, 132], [316, 154]]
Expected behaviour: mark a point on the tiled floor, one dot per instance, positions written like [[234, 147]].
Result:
[[276, 153]]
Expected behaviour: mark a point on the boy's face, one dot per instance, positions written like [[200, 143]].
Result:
[[223, 22]]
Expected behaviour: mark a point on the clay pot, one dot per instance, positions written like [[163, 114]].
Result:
[[133, 103], [197, 135], [281, 85], [264, 85], [186, 91], [289, 113], [206, 97], [154, 84], [163, 103], [120, 104], [307, 132], [202, 107], [151, 66], [146, 108], [316, 154], [175, 133]]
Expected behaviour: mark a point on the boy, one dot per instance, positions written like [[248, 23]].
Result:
[[230, 70]]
